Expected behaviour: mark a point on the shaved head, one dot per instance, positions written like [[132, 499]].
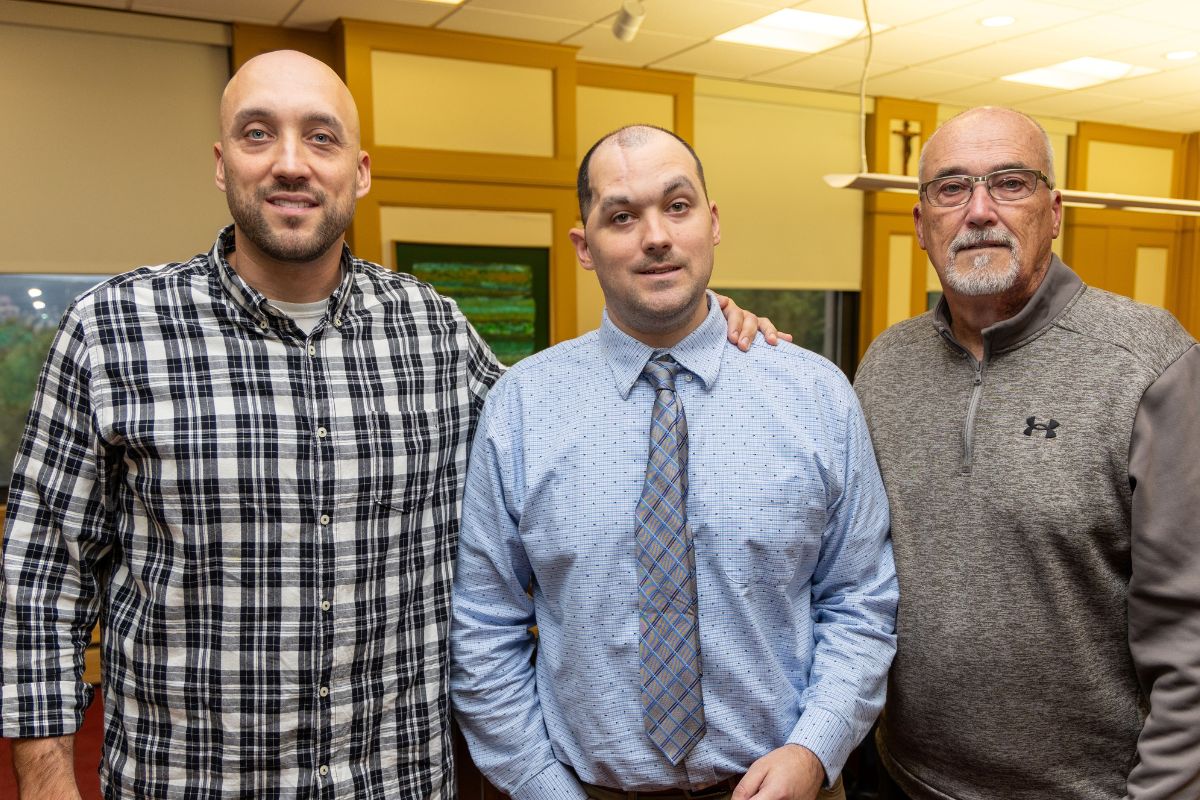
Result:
[[293, 73]]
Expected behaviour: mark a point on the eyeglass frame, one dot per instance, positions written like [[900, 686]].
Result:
[[974, 179]]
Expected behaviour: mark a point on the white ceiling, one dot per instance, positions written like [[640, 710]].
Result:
[[935, 50]]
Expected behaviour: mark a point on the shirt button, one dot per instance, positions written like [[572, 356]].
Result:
[[325, 606], [262, 324], [337, 322], [324, 519], [687, 378], [324, 692], [312, 349], [322, 433], [324, 770]]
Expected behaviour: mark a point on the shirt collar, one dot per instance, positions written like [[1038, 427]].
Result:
[[1056, 291], [253, 301], [699, 352]]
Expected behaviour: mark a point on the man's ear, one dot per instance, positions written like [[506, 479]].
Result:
[[364, 174], [579, 239], [220, 157], [716, 223], [917, 224]]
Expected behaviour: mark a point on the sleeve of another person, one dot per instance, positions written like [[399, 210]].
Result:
[[854, 595], [1164, 589], [492, 682], [56, 539]]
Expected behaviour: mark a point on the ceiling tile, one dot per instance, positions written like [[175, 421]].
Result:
[[513, 26], [1029, 16], [597, 43], [728, 60], [581, 10], [902, 46], [1097, 6], [1100, 35], [1185, 121], [1176, 13], [915, 84], [1154, 55], [883, 12], [824, 72], [996, 60], [994, 93], [320, 14], [1163, 84], [701, 20], [261, 12], [1074, 104]]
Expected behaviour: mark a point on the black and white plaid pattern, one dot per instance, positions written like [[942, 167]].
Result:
[[266, 524]]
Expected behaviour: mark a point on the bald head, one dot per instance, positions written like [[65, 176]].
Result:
[[301, 80], [984, 118]]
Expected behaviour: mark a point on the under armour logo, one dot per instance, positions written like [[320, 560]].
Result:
[[1034, 425]]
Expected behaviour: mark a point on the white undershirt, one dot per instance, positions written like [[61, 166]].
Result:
[[305, 315]]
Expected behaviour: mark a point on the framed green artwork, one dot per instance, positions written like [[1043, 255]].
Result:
[[503, 291], [31, 306]]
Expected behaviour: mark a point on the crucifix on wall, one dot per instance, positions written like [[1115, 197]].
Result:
[[905, 147]]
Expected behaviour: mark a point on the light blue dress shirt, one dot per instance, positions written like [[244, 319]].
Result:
[[797, 589]]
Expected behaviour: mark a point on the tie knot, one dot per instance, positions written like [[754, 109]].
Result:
[[660, 372]]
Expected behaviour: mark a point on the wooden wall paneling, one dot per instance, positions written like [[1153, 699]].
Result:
[[357, 39], [252, 40], [888, 213], [681, 87]]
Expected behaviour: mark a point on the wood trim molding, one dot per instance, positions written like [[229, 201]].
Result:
[[680, 86], [252, 40], [356, 40]]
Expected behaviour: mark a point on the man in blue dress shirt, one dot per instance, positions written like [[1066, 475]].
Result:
[[764, 663]]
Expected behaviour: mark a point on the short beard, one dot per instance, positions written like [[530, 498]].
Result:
[[979, 278], [246, 209]]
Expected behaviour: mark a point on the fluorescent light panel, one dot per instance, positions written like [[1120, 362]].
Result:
[[800, 31], [1079, 73]]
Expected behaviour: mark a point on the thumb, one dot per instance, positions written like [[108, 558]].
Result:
[[749, 785]]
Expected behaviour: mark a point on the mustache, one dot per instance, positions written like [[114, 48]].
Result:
[[979, 236], [658, 260]]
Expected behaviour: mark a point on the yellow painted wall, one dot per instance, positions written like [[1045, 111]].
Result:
[[1129, 169], [109, 160], [481, 107], [764, 156], [1150, 275]]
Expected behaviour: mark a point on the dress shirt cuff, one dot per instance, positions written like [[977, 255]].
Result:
[[555, 782], [827, 736], [34, 710]]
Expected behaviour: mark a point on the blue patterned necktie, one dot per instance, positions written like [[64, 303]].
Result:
[[669, 643]]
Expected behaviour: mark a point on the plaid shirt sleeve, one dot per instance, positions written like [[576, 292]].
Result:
[[55, 545]]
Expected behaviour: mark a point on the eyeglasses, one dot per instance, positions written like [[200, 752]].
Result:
[[1005, 185]]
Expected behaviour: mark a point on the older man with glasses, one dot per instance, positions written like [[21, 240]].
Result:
[[1039, 443]]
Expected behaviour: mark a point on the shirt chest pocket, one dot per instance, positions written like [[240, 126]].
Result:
[[406, 455], [757, 533]]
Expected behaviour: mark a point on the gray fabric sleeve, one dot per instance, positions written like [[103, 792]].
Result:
[[1164, 590]]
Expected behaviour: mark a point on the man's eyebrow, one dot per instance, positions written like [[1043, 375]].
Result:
[[614, 200], [247, 115], [675, 184]]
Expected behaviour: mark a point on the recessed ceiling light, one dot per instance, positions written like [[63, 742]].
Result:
[[801, 31], [1079, 73], [997, 22], [1181, 55]]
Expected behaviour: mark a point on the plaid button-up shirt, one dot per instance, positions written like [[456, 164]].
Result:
[[265, 522]]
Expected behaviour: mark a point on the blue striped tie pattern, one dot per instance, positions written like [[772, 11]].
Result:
[[669, 642]]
